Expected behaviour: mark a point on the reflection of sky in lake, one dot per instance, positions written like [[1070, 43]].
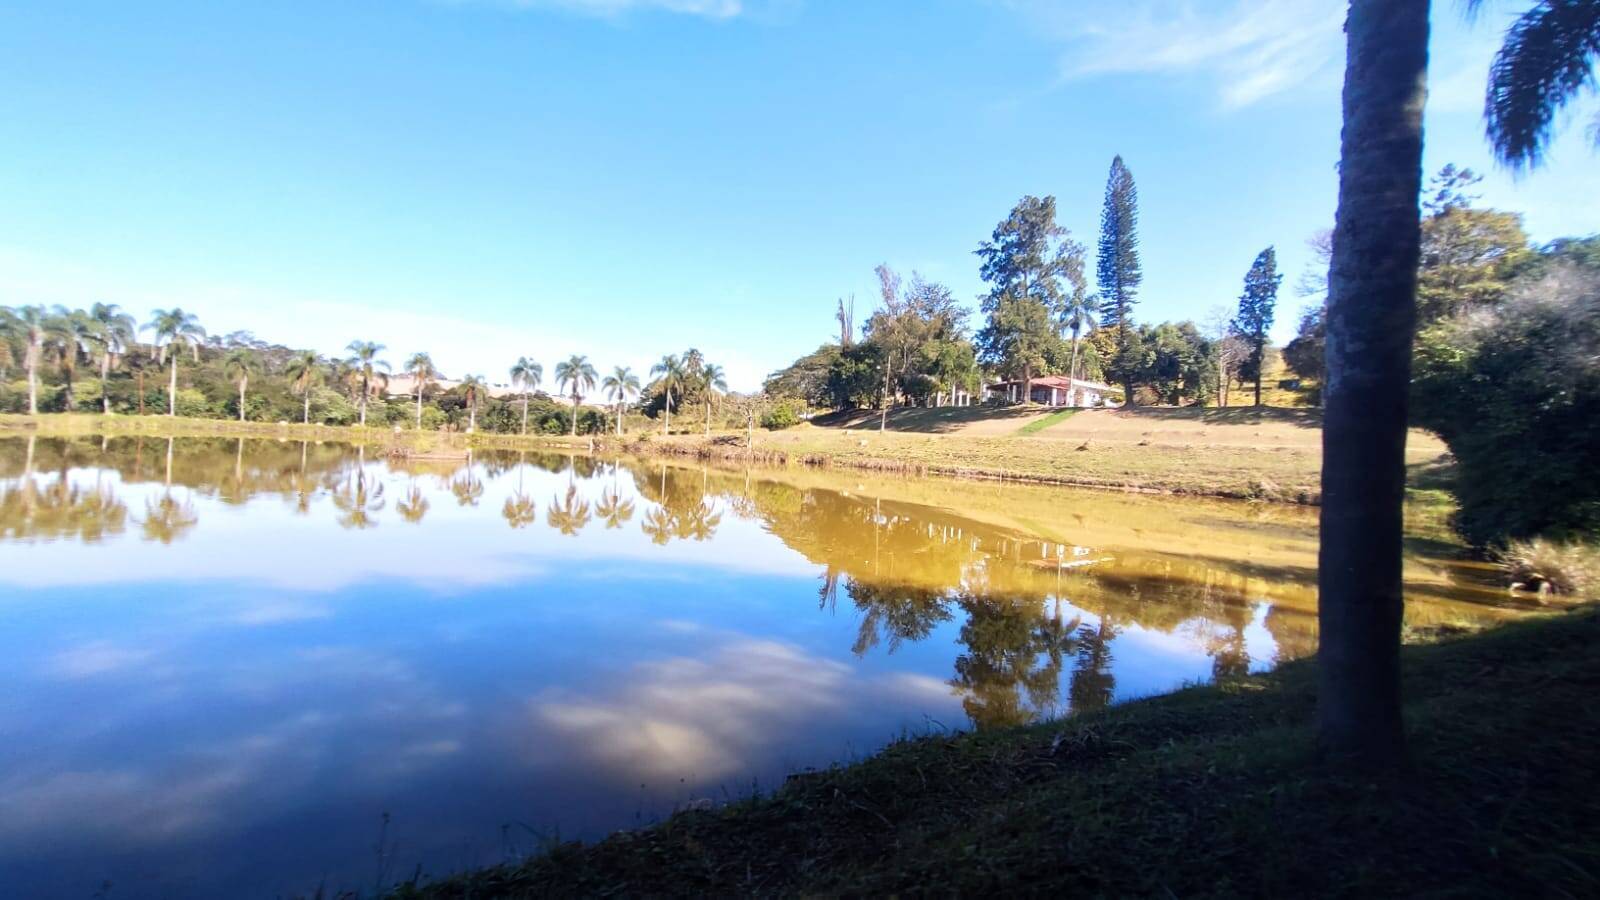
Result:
[[233, 712]]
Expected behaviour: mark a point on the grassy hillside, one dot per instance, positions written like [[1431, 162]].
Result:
[[1213, 791]]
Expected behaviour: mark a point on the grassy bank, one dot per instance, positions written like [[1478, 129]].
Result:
[[1211, 791], [1269, 454]]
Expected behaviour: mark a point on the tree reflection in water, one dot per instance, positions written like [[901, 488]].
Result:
[[1035, 610]]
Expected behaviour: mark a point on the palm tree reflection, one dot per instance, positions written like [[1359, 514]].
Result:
[[568, 516]]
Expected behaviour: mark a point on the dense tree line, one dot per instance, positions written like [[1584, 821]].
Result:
[[93, 361]]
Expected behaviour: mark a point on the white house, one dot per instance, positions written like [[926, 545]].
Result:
[[1054, 390]]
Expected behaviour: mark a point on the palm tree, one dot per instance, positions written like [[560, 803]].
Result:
[[1371, 316], [525, 376], [175, 331], [670, 378], [475, 388], [115, 333], [304, 372], [1079, 310], [69, 333], [32, 323], [364, 359], [577, 373], [712, 381], [1547, 58], [420, 368], [619, 386], [238, 365]]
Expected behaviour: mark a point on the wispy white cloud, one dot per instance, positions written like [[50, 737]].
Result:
[[708, 9], [1251, 51]]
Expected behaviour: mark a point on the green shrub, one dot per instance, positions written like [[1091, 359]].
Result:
[[193, 403], [1515, 391], [784, 414]]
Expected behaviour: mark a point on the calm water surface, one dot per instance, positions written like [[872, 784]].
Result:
[[250, 668]]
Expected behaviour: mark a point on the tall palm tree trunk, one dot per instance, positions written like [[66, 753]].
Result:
[[33, 377], [708, 418], [365, 389], [419, 404], [619, 418], [242, 383], [1072, 370], [666, 424], [575, 400], [105, 376], [1371, 317], [172, 387], [524, 413], [306, 409]]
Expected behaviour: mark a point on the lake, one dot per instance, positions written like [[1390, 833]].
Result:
[[252, 668]]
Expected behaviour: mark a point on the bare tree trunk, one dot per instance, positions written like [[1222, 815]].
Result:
[[105, 373], [666, 424], [619, 418], [575, 401], [365, 389], [419, 404], [883, 412], [242, 383], [172, 387], [1261, 365], [524, 413], [306, 409], [1371, 318]]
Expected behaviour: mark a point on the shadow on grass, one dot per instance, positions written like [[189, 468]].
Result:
[[1230, 415], [936, 420]]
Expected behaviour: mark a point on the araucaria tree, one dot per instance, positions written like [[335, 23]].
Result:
[[1372, 289], [1118, 273], [1256, 306], [1023, 263]]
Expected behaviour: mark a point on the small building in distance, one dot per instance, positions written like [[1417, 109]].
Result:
[[1054, 390], [404, 385]]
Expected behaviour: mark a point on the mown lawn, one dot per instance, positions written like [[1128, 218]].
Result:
[[1213, 791]]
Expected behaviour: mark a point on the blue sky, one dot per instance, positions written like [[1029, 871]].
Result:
[[624, 178]]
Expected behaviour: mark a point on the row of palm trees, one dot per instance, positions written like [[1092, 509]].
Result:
[[106, 334]]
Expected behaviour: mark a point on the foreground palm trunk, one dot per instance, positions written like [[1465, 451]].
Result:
[[172, 387], [105, 374], [1371, 317], [33, 380]]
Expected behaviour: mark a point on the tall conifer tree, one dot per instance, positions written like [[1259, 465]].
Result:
[[1118, 272], [1256, 307]]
